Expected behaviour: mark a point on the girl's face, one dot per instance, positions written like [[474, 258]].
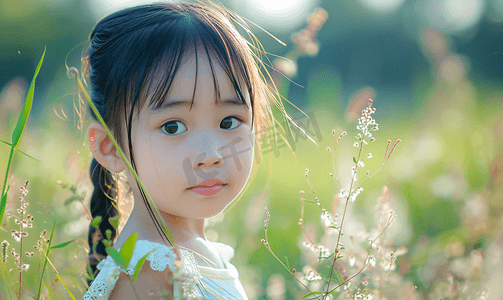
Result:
[[176, 148]]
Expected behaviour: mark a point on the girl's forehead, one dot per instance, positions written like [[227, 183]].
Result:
[[201, 73]]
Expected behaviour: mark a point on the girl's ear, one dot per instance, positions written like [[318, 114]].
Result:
[[103, 149]]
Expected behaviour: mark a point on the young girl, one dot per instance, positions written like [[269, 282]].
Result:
[[182, 93]]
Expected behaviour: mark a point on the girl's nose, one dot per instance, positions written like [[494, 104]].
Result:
[[210, 159]]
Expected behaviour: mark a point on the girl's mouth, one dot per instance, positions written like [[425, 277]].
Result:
[[208, 191]]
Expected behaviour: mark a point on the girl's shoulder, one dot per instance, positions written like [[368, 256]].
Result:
[[159, 257]]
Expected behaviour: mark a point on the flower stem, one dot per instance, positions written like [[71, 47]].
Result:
[[21, 252], [336, 252]]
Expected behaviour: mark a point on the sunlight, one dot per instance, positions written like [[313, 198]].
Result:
[[382, 6], [279, 16]]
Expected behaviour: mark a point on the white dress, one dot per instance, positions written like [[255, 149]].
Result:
[[201, 282]]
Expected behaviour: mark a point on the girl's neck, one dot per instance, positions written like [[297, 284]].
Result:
[[185, 231], [188, 233]]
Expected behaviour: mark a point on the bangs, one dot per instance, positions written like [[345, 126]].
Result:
[[171, 43]]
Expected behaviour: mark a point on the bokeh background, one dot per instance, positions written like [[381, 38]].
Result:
[[434, 70]]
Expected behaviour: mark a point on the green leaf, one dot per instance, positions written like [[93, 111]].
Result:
[[332, 279], [126, 251], [354, 159], [287, 263], [23, 117], [339, 276], [70, 200], [312, 294], [114, 221], [62, 245], [50, 292], [139, 265], [3, 203], [96, 222], [20, 150], [115, 255]]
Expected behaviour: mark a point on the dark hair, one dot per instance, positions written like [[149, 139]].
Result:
[[129, 53], [101, 205]]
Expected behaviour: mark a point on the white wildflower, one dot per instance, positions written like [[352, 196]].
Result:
[[324, 252], [352, 260], [353, 196], [325, 216], [372, 261], [311, 276]]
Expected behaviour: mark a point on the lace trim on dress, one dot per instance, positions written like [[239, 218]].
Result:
[[161, 257]]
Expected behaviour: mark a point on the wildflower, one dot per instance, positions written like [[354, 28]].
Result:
[[369, 155], [371, 261], [266, 222], [344, 193], [365, 280], [25, 267], [353, 196], [352, 260], [325, 216], [5, 244], [311, 276], [341, 136], [356, 144], [324, 252], [17, 235], [360, 164]]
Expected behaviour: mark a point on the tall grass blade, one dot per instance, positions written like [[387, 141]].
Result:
[[50, 292], [67, 290], [18, 131], [60, 279], [23, 118], [62, 245], [9, 144], [73, 72]]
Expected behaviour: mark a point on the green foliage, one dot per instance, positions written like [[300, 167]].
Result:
[[16, 135]]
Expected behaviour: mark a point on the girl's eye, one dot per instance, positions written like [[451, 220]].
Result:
[[171, 127], [228, 121]]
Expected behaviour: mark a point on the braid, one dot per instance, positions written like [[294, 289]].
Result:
[[101, 205]]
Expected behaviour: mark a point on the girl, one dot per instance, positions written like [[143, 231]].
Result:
[[182, 93]]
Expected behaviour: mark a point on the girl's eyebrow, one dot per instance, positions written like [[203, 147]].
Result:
[[175, 103]]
